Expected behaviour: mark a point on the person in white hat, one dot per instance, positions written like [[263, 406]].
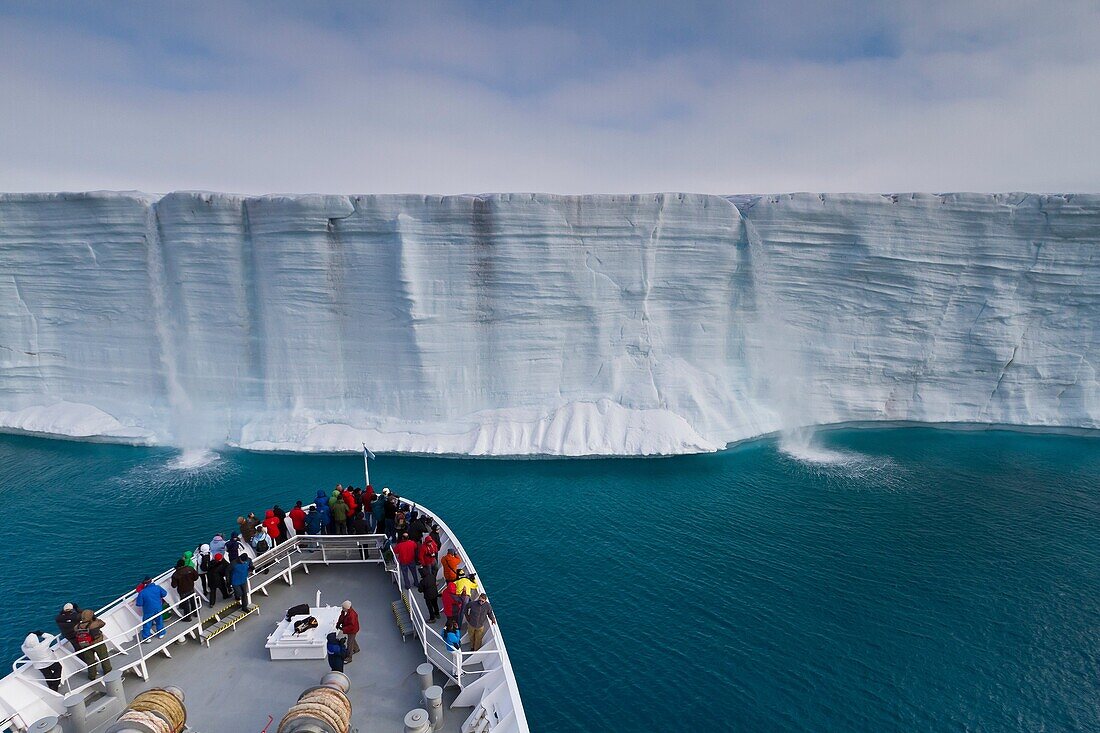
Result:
[[349, 624]]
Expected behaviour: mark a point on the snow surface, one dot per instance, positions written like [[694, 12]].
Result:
[[536, 324]]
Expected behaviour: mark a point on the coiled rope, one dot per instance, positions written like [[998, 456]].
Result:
[[150, 720], [157, 708], [321, 703]]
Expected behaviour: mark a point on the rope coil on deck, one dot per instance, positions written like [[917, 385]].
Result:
[[157, 711], [149, 720], [318, 704]]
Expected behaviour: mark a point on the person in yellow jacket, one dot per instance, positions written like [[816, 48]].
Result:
[[465, 589]]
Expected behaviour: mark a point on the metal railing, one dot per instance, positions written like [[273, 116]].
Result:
[[450, 662], [125, 641], [494, 638], [280, 563]]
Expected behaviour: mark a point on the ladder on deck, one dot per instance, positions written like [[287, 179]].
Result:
[[403, 615], [225, 618]]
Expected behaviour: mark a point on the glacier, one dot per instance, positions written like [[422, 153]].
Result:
[[512, 324]]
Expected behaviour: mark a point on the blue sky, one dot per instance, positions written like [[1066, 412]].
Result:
[[572, 97]]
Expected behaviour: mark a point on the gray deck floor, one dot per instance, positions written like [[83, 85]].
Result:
[[234, 685]]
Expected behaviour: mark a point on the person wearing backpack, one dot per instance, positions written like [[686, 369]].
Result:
[[92, 644], [261, 541], [428, 555]]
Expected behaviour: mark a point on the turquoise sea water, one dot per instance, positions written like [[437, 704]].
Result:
[[923, 580]]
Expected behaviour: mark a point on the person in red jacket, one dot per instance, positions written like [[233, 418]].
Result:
[[368, 509], [405, 552], [429, 555], [349, 624], [451, 604], [298, 517], [271, 524], [349, 499]]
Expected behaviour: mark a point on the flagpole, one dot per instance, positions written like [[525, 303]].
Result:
[[366, 465]]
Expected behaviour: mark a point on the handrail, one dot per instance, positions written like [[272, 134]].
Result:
[[420, 625], [128, 639], [265, 561], [121, 640], [124, 634], [506, 664]]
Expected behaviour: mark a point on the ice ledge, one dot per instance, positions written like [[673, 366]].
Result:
[[73, 420], [601, 428]]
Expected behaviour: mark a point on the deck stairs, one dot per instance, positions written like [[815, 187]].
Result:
[[225, 618], [403, 615]]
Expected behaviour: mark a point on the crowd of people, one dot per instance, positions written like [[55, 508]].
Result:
[[223, 566]]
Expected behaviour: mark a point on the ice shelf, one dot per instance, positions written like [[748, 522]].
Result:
[[538, 324]]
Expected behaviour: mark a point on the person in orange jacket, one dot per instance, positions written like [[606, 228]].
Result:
[[450, 562]]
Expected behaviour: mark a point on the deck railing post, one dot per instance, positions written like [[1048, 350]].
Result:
[[141, 663]]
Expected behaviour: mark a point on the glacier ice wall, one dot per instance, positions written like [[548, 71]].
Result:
[[515, 324]]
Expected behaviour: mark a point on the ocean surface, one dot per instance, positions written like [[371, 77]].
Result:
[[906, 579]]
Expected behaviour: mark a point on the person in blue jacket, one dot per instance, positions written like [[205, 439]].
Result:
[[323, 509], [336, 651], [238, 578], [378, 513], [452, 637], [313, 522], [150, 599]]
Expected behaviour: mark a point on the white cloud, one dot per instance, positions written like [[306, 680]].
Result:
[[969, 98]]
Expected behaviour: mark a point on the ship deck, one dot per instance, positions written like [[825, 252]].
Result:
[[235, 685], [230, 682]]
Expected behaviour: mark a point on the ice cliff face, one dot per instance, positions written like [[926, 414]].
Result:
[[514, 324]]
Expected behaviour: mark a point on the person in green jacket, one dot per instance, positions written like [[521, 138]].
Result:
[[340, 516], [189, 560]]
